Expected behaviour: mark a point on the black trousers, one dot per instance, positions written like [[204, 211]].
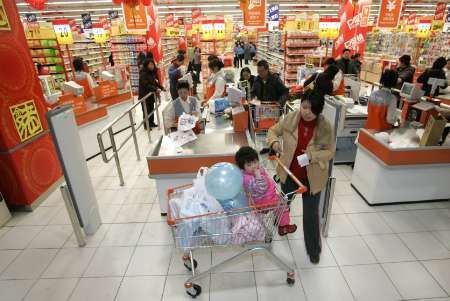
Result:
[[311, 221], [150, 105], [236, 61]]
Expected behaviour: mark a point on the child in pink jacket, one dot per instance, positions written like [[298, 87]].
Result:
[[262, 189]]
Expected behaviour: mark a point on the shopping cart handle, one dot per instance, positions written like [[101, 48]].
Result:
[[301, 188]]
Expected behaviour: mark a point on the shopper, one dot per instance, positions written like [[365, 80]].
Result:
[[356, 63], [195, 68], [447, 71], [81, 75], [216, 82], [338, 80], [183, 104], [247, 53], [140, 60], [253, 50], [268, 86], [246, 75], [111, 60], [436, 71], [322, 82], [148, 82], [308, 146], [175, 74], [405, 71], [241, 53], [262, 188], [238, 51], [382, 106], [345, 64]]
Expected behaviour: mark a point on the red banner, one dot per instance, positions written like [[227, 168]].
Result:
[[389, 13], [255, 13], [411, 19], [135, 16], [153, 33], [440, 11], [170, 20], [353, 27], [196, 15]]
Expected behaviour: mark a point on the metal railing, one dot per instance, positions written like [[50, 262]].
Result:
[[109, 128]]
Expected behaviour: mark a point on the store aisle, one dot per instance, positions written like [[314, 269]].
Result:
[[399, 252]]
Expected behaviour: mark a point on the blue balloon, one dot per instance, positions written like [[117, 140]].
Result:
[[224, 181], [239, 201]]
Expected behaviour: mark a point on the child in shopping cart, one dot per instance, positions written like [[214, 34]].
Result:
[[261, 188]]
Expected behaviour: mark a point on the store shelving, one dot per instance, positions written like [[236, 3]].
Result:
[[125, 49], [95, 55], [269, 48], [438, 44], [298, 47], [47, 53]]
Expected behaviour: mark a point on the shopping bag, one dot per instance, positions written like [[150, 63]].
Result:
[[218, 105], [186, 122]]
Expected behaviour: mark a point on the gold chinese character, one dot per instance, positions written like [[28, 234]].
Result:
[[26, 119]]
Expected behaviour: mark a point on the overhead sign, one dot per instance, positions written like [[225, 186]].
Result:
[[196, 19], [87, 21], [255, 13], [389, 15], [440, 11], [219, 29], [329, 28], [274, 12], [135, 16], [63, 32], [99, 32], [113, 14]]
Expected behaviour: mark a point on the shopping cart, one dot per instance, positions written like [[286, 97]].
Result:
[[252, 228], [264, 115]]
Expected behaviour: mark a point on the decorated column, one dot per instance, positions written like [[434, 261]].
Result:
[[28, 162]]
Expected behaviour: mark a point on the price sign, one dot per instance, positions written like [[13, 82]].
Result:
[[207, 30], [63, 32], [329, 28], [423, 29], [219, 28], [99, 32]]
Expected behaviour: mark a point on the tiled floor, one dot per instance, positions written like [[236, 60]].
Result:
[[399, 252]]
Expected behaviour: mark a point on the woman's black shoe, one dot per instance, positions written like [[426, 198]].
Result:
[[314, 258], [153, 125]]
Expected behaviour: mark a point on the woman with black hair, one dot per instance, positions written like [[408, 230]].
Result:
[[382, 106], [140, 60], [246, 75], [80, 74], [308, 146], [323, 82], [436, 71], [148, 82], [195, 68], [216, 81]]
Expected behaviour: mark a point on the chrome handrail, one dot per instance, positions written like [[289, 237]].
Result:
[[109, 128]]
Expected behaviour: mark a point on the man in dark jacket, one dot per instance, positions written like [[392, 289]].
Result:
[[345, 64], [268, 86], [175, 75], [405, 71]]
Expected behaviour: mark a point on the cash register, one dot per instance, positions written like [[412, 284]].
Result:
[[411, 96]]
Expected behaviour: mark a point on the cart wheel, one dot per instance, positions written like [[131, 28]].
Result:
[[187, 264], [194, 291], [290, 281]]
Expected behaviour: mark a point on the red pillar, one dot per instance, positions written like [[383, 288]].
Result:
[[28, 161]]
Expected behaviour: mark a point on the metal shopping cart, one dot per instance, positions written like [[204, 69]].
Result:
[[264, 115], [253, 228]]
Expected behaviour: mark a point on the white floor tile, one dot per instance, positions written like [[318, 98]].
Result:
[[19, 237], [52, 236], [14, 290], [370, 283], [174, 289], [388, 248], [98, 289], [424, 245], [402, 221], [444, 237], [144, 288], [353, 204], [41, 216], [108, 213], [61, 218], [29, 264], [69, 263], [6, 257], [140, 196], [150, 261], [325, 284], [369, 223], [233, 286], [336, 207], [434, 299], [111, 197], [350, 250], [158, 233], [413, 281], [271, 285], [440, 269], [92, 241], [4, 230], [155, 213], [52, 290], [340, 225], [133, 213], [202, 256], [302, 259], [109, 261], [123, 234], [281, 249], [344, 188], [242, 264], [435, 219], [143, 182]]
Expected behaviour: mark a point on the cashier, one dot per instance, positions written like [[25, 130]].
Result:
[[216, 82], [183, 104], [80, 74], [382, 107]]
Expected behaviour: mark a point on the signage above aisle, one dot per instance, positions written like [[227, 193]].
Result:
[[254, 12], [329, 28], [389, 15], [438, 22], [100, 34], [135, 16], [63, 32]]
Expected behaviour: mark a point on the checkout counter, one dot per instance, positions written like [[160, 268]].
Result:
[[176, 167]]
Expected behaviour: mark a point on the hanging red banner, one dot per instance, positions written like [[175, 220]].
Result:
[[153, 33], [170, 20], [353, 27], [255, 13], [440, 11], [135, 16], [389, 13], [411, 19]]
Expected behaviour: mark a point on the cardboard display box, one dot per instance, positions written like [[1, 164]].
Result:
[[433, 131]]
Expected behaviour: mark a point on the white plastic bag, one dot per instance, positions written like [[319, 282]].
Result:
[[186, 122]]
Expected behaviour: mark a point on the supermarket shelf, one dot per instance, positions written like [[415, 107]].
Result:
[[44, 47]]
